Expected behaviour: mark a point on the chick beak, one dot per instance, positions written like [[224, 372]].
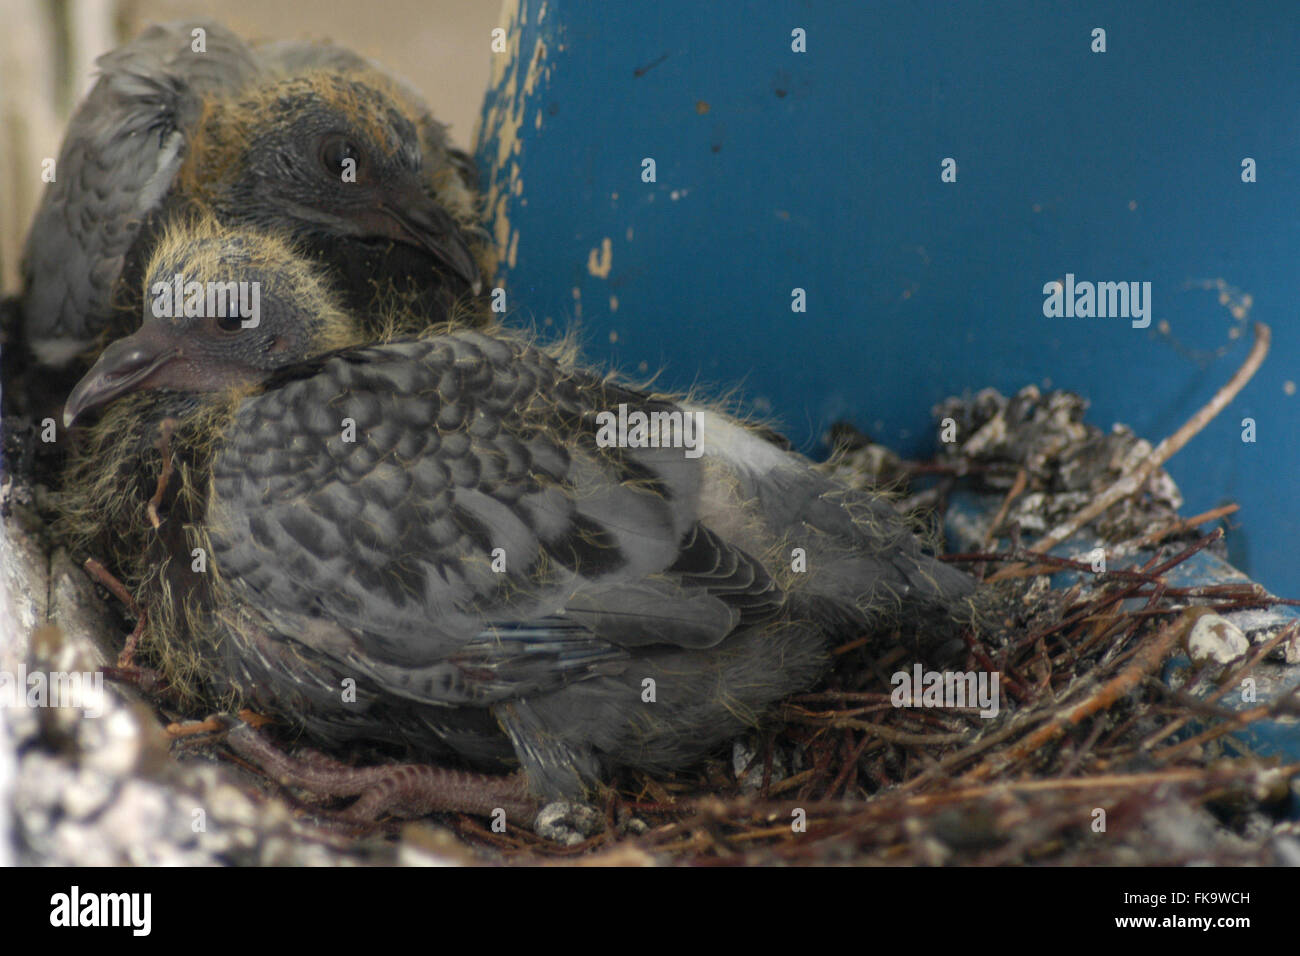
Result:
[[410, 216], [125, 366]]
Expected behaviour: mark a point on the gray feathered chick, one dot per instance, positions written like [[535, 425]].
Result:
[[440, 523], [308, 139]]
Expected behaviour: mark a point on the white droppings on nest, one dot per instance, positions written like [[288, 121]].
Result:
[[1038, 589], [1036, 511], [991, 434], [568, 822], [1215, 638], [745, 754]]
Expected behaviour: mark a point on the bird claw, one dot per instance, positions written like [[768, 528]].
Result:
[[216, 724], [126, 669], [399, 790]]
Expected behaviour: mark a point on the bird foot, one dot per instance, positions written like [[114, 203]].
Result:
[[568, 823], [126, 670], [400, 790]]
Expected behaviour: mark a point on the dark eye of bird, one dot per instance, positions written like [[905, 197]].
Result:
[[229, 323], [335, 151]]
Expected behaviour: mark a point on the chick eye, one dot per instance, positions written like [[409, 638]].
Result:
[[334, 154]]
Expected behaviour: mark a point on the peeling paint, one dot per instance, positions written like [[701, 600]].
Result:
[[536, 70], [515, 82], [501, 221], [600, 261]]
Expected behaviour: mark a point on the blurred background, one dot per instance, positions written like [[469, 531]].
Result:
[[820, 170]]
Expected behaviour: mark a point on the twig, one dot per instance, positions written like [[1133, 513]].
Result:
[[1148, 657], [1178, 527], [101, 575], [1017, 487], [167, 427], [1133, 482]]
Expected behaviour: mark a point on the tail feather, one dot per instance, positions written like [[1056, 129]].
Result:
[[860, 553]]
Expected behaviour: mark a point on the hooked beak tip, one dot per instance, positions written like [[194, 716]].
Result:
[[77, 401], [123, 367], [428, 226]]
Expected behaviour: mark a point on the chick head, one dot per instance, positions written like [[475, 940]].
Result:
[[224, 308], [330, 155]]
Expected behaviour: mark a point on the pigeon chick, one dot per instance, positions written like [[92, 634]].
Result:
[[445, 541], [307, 139]]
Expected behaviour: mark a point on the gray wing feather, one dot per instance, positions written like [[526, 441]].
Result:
[[119, 156], [393, 536]]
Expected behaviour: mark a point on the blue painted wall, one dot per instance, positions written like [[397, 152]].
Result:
[[821, 170]]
